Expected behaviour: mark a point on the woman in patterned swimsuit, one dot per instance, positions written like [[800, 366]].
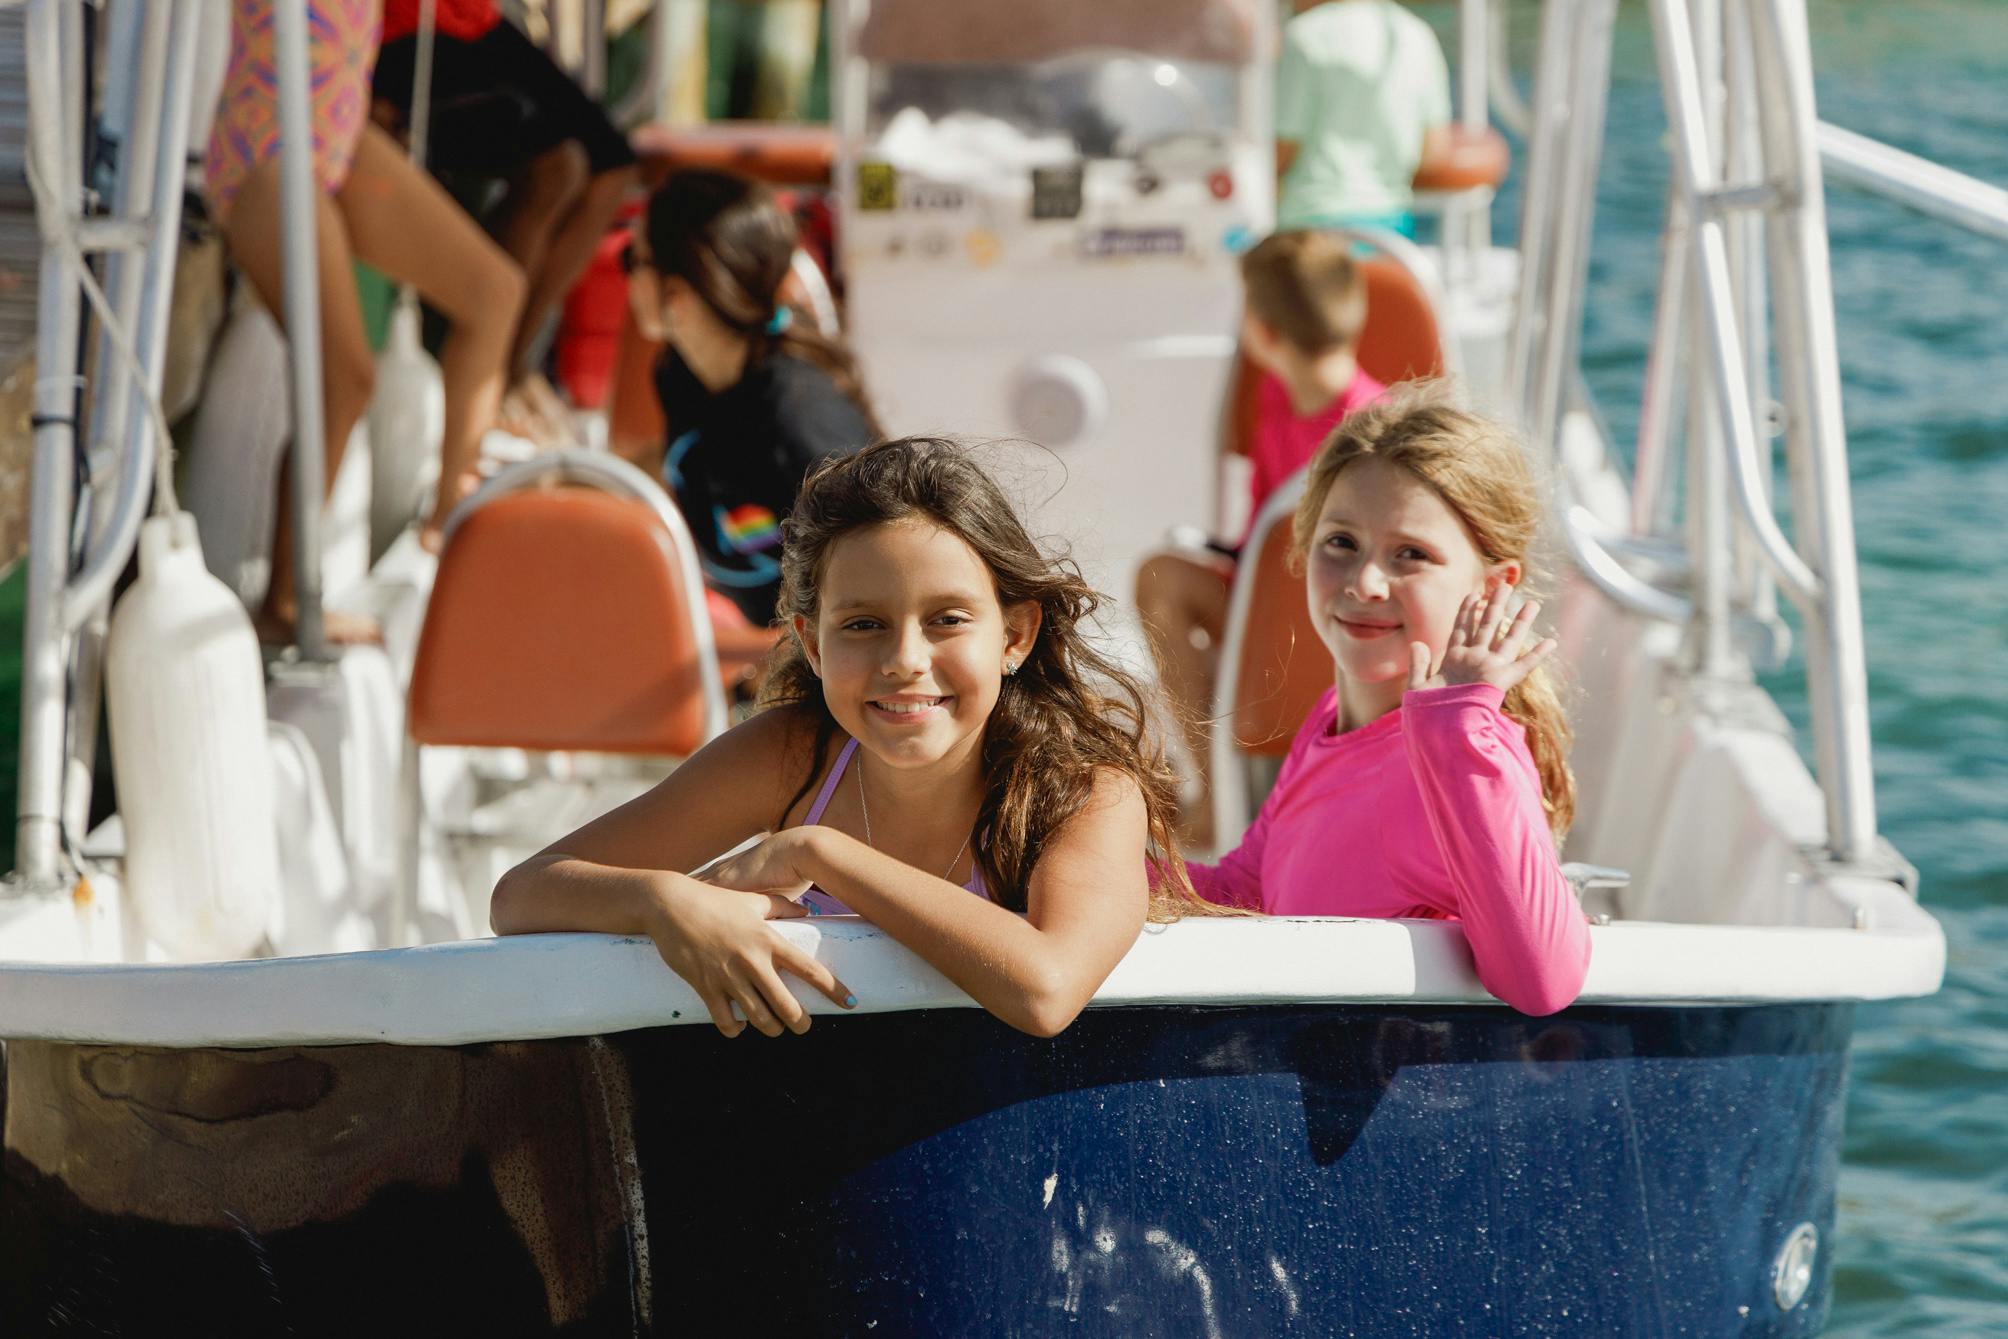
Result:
[[374, 206]]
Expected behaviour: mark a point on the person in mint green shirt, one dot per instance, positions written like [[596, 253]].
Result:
[[1362, 97]]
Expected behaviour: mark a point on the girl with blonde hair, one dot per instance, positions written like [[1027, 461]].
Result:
[[1432, 779]]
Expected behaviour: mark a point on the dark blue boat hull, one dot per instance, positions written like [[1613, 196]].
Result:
[[1313, 1170]]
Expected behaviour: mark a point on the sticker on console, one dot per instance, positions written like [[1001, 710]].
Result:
[[878, 188], [1056, 191], [1104, 243]]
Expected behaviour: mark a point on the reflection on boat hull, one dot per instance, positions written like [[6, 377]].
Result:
[[1287, 1169]]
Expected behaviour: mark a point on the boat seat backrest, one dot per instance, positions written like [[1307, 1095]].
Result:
[[1402, 340], [1282, 666], [560, 620]]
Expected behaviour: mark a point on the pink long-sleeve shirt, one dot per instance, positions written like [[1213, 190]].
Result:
[[1433, 810]]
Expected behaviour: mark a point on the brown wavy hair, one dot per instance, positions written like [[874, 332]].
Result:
[[1067, 714], [1480, 469], [728, 238]]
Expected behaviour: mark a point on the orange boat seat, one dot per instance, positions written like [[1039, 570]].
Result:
[[561, 619], [1281, 673]]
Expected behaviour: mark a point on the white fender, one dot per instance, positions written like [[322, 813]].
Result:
[[235, 448], [185, 687]]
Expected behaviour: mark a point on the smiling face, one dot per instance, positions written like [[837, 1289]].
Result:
[[1388, 565], [911, 642]]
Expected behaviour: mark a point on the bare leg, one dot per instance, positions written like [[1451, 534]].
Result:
[[401, 222], [348, 371], [1183, 604], [565, 256], [546, 194]]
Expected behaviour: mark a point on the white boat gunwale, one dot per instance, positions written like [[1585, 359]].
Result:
[[561, 985]]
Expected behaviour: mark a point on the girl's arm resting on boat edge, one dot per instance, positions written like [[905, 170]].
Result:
[[1084, 908], [622, 874], [1482, 796], [717, 939]]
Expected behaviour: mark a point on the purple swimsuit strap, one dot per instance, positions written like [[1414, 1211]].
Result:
[[820, 902], [815, 814]]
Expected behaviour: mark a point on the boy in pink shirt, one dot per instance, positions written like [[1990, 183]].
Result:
[[1306, 306], [1431, 780]]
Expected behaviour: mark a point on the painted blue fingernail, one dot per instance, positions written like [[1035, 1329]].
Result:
[[850, 1001]]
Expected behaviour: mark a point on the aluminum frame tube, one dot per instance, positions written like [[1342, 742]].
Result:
[[1473, 63], [91, 589], [1837, 673], [1467, 219], [1712, 535], [1722, 342], [1582, 534], [1537, 201], [1508, 107], [1709, 530], [1743, 159], [297, 188], [1664, 361], [1561, 332], [1916, 183], [135, 59], [157, 165], [137, 137], [55, 141]]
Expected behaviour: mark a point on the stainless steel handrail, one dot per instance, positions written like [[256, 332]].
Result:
[[1816, 435], [90, 590], [1697, 178], [55, 147], [1881, 169], [1818, 571]]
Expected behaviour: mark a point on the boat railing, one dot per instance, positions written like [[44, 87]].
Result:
[[72, 567], [1882, 169], [1745, 251], [79, 543]]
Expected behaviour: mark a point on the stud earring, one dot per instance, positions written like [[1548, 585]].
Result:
[[1010, 667]]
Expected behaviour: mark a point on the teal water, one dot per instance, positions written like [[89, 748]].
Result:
[[1923, 1219]]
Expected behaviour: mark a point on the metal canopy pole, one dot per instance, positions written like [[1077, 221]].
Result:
[[155, 166], [303, 314], [167, 142], [1537, 201], [1816, 437], [55, 145], [1818, 571], [1555, 354], [136, 73]]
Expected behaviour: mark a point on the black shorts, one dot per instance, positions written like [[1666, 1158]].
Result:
[[497, 102]]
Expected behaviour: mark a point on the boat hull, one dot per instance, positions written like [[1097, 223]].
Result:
[[1170, 1170]]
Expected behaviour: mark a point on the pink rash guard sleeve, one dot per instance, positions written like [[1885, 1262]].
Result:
[[1481, 794]]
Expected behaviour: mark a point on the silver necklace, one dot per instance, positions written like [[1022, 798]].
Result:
[[864, 807]]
